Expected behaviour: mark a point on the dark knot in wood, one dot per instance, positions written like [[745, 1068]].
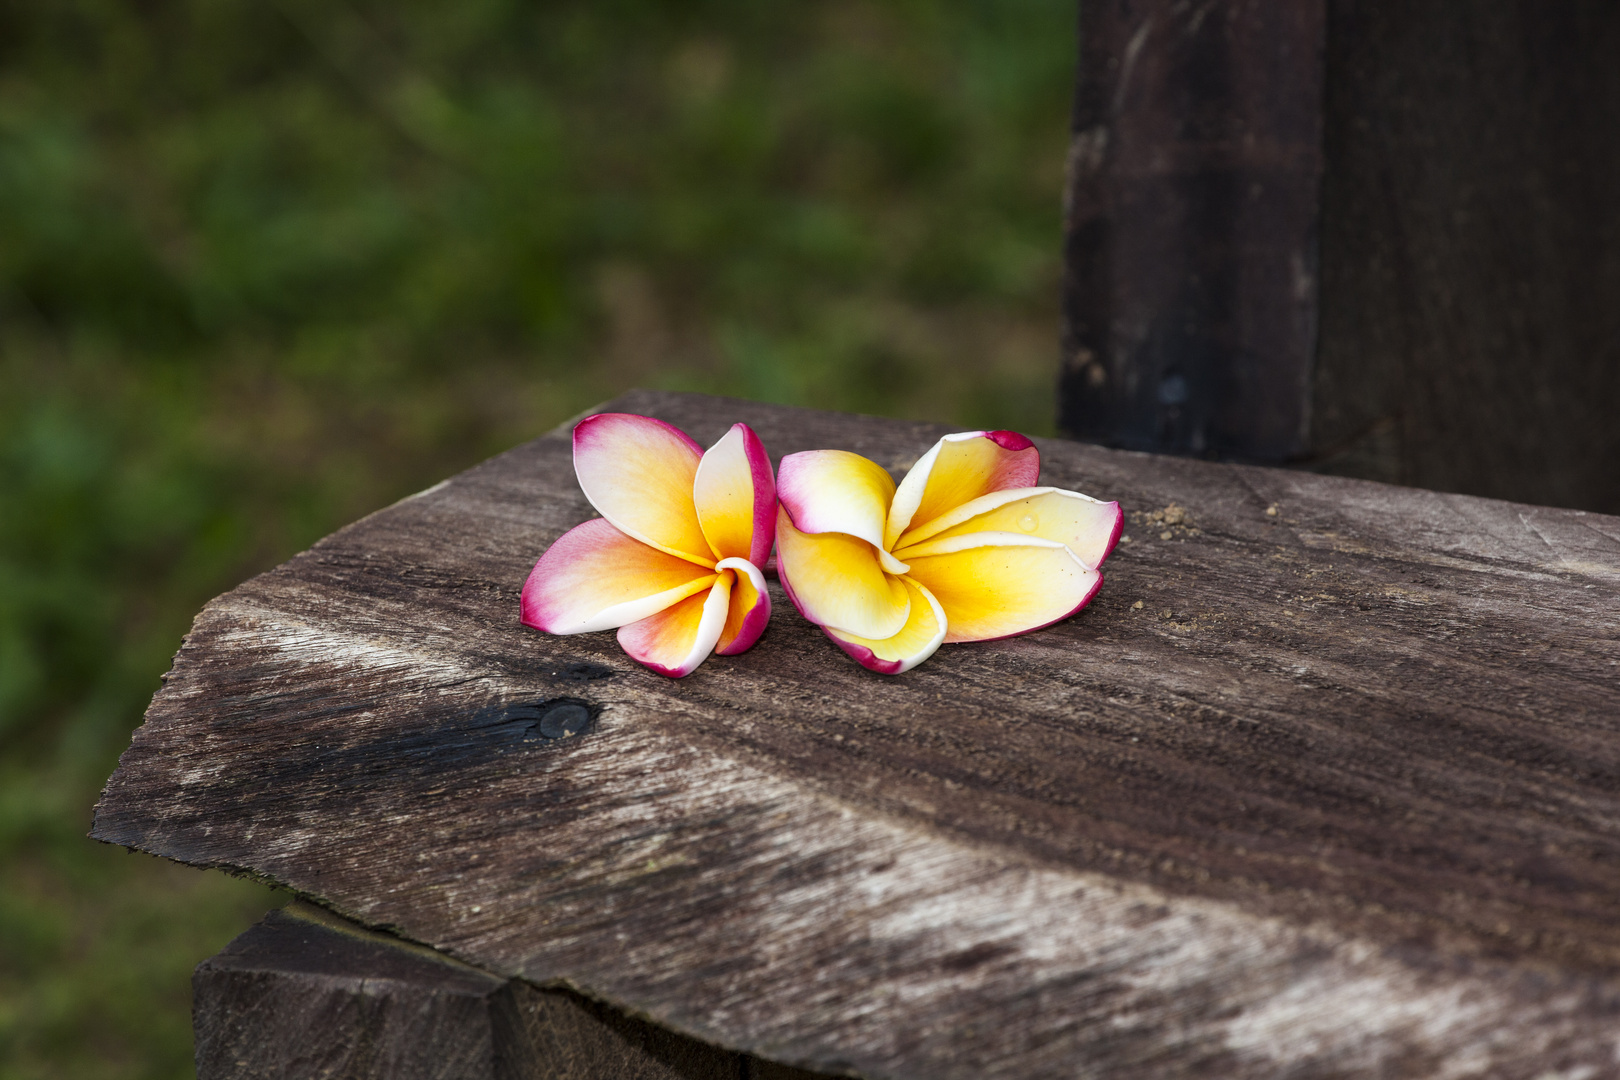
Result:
[[559, 718], [564, 718]]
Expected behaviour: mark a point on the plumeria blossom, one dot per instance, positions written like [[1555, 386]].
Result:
[[674, 561], [965, 549]]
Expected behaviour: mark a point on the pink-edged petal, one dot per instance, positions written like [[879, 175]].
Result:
[[679, 638], [750, 608], [638, 473], [837, 580], [1088, 528], [828, 491], [596, 578], [735, 496], [916, 641], [958, 469], [997, 585]]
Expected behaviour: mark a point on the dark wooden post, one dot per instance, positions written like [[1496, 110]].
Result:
[[308, 994], [298, 996], [1191, 226], [1372, 237]]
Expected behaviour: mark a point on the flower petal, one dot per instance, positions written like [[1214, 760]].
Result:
[[996, 585], [836, 491], [1089, 528], [916, 641], [958, 469], [638, 473], [750, 607], [595, 578], [679, 638], [837, 580], [735, 496]]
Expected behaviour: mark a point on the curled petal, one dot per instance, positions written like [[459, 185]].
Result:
[[638, 473], [1087, 527], [596, 578], [750, 607], [997, 585], [735, 496], [836, 491], [679, 638], [916, 641], [958, 469], [837, 580]]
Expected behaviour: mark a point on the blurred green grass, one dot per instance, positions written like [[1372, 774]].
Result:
[[266, 265]]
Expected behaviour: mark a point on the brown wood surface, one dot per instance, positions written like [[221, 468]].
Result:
[[1190, 226], [1377, 238], [308, 994], [1470, 300], [294, 998], [1330, 791]]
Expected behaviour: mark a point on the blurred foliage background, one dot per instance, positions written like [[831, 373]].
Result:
[[267, 265]]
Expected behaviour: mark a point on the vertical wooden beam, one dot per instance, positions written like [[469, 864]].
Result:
[[307, 994], [1467, 292], [300, 996], [1470, 305], [1190, 297]]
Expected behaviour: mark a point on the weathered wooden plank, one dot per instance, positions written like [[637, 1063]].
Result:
[[307, 994], [1341, 797]]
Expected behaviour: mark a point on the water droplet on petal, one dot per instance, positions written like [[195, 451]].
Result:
[[1029, 522]]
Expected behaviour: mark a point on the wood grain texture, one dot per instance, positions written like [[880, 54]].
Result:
[[1471, 248], [1457, 326], [1340, 798], [1190, 226], [292, 998], [307, 994]]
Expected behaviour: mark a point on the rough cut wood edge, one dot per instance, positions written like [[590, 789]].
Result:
[[708, 889]]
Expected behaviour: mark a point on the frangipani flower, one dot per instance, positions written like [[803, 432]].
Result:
[[964, 550], [674, 560]]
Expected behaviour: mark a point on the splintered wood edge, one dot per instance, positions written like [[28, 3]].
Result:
[[907, 953]]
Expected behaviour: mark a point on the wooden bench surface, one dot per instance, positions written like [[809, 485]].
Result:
[[1333, 791]]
